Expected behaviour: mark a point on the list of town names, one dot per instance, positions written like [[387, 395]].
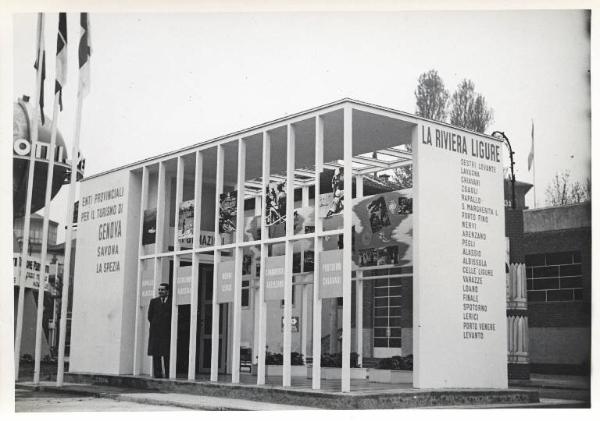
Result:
[[476, 220]]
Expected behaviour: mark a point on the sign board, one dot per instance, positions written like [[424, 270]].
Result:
[[330, 282], [32, 272], [459, 252], [295, 324], [184, 285], [225, 280], [274, 278]]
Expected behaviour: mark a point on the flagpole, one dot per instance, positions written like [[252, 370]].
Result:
[[533, 163], [27, 216], [42, 287], [68, 239]]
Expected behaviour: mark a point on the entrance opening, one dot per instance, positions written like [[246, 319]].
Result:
[[204, 327]]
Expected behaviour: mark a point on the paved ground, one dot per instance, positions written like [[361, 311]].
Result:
[[555, 392], [40, 401]]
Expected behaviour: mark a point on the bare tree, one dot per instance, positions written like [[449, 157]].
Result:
[[469, 108], [403, 176], [562, 191], [432, 96]]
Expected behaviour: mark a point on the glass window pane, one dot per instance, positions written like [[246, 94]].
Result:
[[380, 342], [381, 311], [535, 260], [560, 258], [395, 343], [574, 282], [536, 296], [548, 283], [570, 270], [381, 301], [394, 321], [560, 295], [545, 271]]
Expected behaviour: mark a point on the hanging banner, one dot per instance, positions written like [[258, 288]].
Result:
[[330, 282], [274, 278], [225, 279], [383, 229], [227, 212], [184, 285], [149, 228], [185, 229], [146, 291]]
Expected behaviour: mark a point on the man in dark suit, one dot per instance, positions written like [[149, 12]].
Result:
[[159, 342]]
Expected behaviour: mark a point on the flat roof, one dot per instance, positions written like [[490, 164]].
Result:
[[295, 117]]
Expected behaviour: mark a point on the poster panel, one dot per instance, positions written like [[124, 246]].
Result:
[[184, 285], [276, 204], [185, 229], [274, 278], [252, 228], [149, 228], [383, 229], [225, 279], [304, 220], [227, 212], [330, 282]]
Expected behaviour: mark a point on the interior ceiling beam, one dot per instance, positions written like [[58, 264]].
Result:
[[371, 162], [396, 153]]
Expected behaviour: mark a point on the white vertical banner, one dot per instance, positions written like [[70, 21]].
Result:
[[460, 284]]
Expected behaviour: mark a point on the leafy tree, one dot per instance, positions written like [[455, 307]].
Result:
[[469, 108], [432, 96], [562, 191]]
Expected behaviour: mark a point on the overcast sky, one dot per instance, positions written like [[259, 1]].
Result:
[[164, 81]]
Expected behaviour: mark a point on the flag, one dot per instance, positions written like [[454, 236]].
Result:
[[85, 51], [61, 57], [41, 56], [530, 157]]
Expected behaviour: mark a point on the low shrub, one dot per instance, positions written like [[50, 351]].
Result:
[[275, 358], [335, 360], [396, 363]]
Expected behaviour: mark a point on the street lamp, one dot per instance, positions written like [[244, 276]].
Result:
[[501, 135]]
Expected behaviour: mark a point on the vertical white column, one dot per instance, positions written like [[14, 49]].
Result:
[[262, 311], [160, 227], [304, 291], [176, 260], [359, 289], [214, 354], [139, 317], [416, 262], [254, 295], [195, 245], [316, 353], [347, 251], [239, 257], [289, 254]]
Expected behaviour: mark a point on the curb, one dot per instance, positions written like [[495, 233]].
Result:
[[119, 397]]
